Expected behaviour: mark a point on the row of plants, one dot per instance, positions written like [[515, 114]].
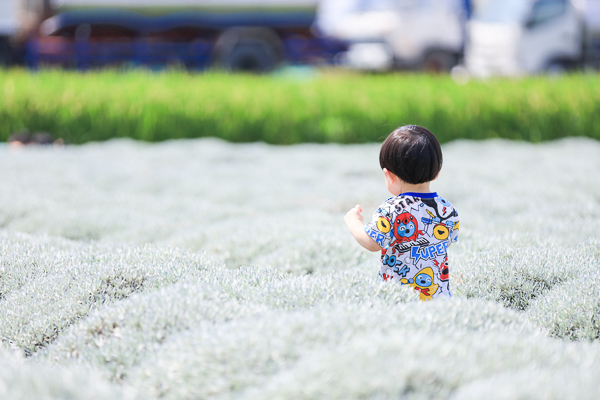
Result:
[[332, 106]]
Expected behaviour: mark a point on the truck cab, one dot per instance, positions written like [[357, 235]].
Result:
[[517, 37], [386, 34]]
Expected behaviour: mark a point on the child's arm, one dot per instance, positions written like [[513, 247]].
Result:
[[354, 220]]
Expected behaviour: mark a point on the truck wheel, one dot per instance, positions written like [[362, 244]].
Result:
[[249, 57], [556, 68], [561, 67], [439, 61], [256, 50], [5, 53]]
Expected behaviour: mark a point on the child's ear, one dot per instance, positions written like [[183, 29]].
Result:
[[386, 174], [389, 176]]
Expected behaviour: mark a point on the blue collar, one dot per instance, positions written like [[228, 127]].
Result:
[[420, 195]]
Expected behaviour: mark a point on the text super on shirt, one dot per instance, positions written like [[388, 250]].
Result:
[[415, 231]]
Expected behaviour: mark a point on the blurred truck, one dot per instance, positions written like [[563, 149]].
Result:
[[387, 34], [238, 35], [7, 27], [17, 19], [515, 37]]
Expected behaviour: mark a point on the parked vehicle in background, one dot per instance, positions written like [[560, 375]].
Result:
[[237, 35], [386, 34], [7, 27], [18, 18], [514, 37]]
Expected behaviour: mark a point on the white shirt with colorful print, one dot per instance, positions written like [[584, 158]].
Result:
[[414, 231]]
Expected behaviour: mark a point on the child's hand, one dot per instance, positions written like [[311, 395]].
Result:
[[354, 220], [353, 215]]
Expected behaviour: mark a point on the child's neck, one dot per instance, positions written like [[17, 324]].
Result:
[[410, 188]]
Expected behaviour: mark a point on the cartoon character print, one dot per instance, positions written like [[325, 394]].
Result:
[[441, 232], [423, 283], [406, 228], [444, 269], [384, 225], [413, 256], [442, 226], [442, 207]]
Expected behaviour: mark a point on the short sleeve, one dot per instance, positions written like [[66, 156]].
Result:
[[455, 230], [379, 228]]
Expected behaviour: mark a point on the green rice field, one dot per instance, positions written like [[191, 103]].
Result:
[[286, 108]]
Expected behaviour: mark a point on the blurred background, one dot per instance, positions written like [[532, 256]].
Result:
[[296, 71], [478, 37]]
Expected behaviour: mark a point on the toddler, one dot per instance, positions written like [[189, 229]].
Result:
[[413, 229]]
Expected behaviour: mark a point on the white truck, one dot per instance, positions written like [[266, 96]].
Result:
[[518, 37], [386, 34]]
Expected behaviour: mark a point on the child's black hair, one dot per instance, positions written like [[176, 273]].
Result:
[[412, 153]]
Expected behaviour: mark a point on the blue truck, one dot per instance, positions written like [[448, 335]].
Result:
[[235, 35]]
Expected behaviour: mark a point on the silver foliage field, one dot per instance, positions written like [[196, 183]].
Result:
[[202, 269]]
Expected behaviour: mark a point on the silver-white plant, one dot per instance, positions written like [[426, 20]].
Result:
[[202, 269]]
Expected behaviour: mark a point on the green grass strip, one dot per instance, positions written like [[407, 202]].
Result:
[[332, 107]]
